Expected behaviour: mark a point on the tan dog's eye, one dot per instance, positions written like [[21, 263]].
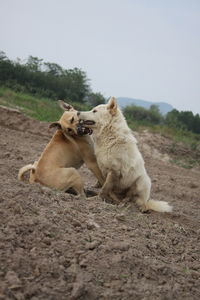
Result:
[[94, 111], [69, 129]]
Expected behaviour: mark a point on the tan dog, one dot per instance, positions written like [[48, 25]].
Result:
[[64, 154]]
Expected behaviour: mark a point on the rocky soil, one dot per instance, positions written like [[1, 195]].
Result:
[[55, 246]]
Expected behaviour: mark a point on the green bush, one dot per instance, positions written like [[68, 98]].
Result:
[[184, 120], [142, 116]]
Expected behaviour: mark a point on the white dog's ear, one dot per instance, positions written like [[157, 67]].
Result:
[[65, 106], [55, 124], [112, 106]]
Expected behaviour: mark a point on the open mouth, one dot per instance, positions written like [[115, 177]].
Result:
[[82, 130]]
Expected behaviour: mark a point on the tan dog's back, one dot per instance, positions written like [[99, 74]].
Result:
[[60, 151], [64, 154]]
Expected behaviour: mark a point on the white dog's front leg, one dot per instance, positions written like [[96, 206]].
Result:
[[107, 188]]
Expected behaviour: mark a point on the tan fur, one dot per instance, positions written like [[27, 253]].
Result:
[[64, 154], [23, 170]]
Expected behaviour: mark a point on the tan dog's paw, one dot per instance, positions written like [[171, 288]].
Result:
[[80, 197]]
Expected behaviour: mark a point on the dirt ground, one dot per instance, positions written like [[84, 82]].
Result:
[[54, 246]]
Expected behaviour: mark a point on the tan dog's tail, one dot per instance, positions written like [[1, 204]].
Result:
[[160, 206], [26, 168]]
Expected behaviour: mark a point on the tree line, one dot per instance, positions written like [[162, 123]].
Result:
[[184, 120], [47, 79]]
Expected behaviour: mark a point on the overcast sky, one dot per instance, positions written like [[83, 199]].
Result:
[[145, 49]]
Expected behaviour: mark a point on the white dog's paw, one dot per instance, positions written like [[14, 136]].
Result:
[[94, 198], [97, 185], [143, 209]]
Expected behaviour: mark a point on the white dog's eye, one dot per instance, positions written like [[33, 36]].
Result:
[[94, 111]]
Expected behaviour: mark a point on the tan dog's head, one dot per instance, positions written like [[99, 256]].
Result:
[[69, 120], [69, 123]]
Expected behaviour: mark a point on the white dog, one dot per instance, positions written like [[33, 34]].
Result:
[[118, 156]]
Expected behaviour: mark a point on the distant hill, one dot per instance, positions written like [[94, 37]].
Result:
[[163, 107]]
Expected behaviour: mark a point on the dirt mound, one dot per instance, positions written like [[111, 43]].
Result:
[[164, 148], [14, 119], [54, 246]]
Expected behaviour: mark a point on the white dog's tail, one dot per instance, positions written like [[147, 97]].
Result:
[[160, 206], [24, 169]]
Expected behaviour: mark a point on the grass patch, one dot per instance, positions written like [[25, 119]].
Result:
[[42, 109], [185, 137], [187, 164], [178, 135]]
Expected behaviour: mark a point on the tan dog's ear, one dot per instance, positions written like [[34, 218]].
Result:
[[55, 124], [112, 106], [65, 106]]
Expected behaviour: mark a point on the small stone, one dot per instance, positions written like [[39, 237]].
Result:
[[47, 241], [116, 258], [83, 263], [147, 235], [18, 209], [78, 290], [76, 223], [7, 154], [193, 185], [92, 245], [120, 217], [124, 227], [123, 246], [13, 279], [92, 225]]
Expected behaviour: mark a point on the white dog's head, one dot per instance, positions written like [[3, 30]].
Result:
[[101, 115]]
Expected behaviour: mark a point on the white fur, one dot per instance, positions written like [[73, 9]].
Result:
[[116, 150]]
